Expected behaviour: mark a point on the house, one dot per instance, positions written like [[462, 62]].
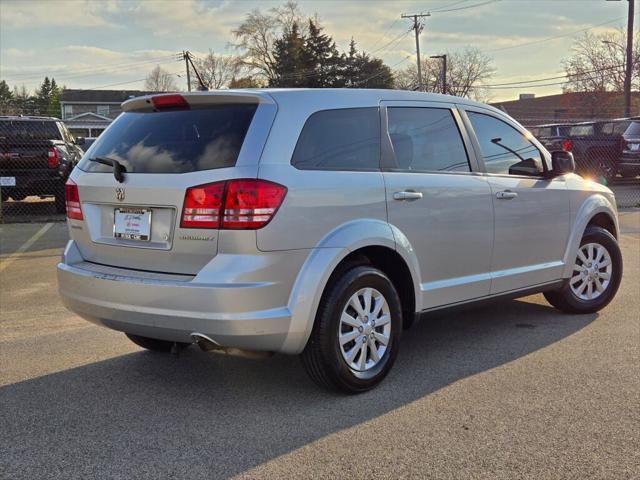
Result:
[[568, 107], [88, 112]]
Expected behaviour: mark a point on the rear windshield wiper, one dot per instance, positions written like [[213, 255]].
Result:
[[118, 169]]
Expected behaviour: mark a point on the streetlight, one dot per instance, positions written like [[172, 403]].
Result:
[[444, 70]]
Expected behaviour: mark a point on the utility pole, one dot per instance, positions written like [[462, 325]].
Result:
[[629, 64], [417, 27], [444, 71], [185, 55]]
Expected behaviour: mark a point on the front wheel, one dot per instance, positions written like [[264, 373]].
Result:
[[596, 276], [356, 334]]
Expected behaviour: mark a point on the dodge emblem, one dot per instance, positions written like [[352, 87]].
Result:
[[120, 194]]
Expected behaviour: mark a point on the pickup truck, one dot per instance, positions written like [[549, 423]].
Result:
[[630, 163], [37, 155], [596, 146], [551, 135]]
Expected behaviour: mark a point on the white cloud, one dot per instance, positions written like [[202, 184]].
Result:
[[55, 13]]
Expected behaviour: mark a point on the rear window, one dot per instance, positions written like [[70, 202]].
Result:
[[173, 142], [633, 130], [25, 130], [581, 130], [544, 132], [344, 139]]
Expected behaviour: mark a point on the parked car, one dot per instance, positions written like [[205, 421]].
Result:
[[551, 135], [37, 155], [629, 166], [323, 222], [596, 146]]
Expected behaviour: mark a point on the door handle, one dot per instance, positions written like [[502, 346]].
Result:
[[506, 195], [407, 195]]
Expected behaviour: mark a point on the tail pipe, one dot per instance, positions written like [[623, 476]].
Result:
[[207, 344]]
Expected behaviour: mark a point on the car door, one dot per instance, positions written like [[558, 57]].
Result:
[[436, 201], [532, 212]]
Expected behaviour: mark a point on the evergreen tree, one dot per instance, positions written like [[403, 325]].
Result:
[[289, 59], [362, 71], [53, 107], [6, 99], [323, 60]]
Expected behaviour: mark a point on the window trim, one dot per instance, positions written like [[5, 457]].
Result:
[[544, 154], [329, 169], [388, 156]]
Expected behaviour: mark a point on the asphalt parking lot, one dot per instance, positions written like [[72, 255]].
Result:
[[513, 390]]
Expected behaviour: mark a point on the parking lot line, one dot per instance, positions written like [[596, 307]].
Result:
[[25, 246]]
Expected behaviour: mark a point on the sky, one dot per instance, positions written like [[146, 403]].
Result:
[[98, 44]]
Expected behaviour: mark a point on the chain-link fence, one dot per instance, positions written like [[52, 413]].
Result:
[[37, 154]]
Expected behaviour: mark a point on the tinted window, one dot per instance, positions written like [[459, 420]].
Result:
[[426, 139], [25, 130], [346, 139], [173, 142], [504, 149], [633, 130]]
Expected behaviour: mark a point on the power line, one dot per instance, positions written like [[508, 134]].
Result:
[[125, 83], [396, 39], [99, 69], [465, 8], [535, 42], [385, 34]]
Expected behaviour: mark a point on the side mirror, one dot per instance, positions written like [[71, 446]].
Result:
[[562, 162], [79, 140]]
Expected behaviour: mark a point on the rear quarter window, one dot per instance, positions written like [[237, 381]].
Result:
[[174, 141], [633, 130], [342, 139]]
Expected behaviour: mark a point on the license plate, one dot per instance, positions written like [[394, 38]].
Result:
[[634, 146], [132, 224], [7, 181]]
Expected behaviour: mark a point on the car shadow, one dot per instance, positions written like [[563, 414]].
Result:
[[215, 416]]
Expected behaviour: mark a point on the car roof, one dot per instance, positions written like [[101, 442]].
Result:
[[325, 97]]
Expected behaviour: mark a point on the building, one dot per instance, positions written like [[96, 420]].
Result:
[[568, 107], [88, 112]]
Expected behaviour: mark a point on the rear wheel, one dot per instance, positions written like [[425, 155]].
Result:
[[596, 276], [356, 334], [154, 344]]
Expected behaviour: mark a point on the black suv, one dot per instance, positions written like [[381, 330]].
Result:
[[37, 155]]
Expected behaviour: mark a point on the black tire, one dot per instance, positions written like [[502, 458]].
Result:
[[154, 344], [566, 300], [322, 356]]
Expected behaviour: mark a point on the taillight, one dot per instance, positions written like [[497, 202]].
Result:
[[251, 204], [72, 197], [202, 205], [246, 204], [53, 158], [567, 145], [169, 102]]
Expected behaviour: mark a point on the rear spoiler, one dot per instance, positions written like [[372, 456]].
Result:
[[200, 99]]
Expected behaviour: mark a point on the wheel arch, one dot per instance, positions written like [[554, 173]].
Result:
[[372, 242], [596, 210]]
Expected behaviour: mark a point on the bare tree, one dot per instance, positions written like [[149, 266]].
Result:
[[597, 63], [467, 71], [159, 80], [256, 35], [217, 70]]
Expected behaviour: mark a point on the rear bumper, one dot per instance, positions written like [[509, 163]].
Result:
[[45, 183], [252, 315], [630, 162]]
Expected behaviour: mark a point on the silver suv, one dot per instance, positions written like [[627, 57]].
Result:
[[323, 222]]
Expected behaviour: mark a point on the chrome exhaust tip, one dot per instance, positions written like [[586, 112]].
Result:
[[207, 344]]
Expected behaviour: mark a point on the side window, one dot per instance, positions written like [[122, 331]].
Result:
[[344, 139], [426, 139], [504, 149]]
